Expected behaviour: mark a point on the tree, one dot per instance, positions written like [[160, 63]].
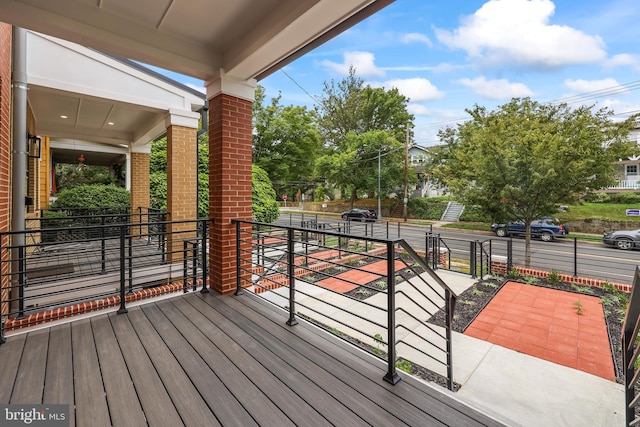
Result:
[[263, 196], [355, 122], [524, 159], [354, 166], [286, 143]]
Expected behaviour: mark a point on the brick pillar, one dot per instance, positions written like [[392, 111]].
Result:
[[5, 151], [139, 190], [229, 177], [181, 185]]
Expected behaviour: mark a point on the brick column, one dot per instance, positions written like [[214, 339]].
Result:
[[181, 179], [139, 190], [229, 175], [5, 151]]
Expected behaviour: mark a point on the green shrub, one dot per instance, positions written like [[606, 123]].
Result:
[[427, 207], [597, 198], [92, 197], [625, 198], [265, 206]]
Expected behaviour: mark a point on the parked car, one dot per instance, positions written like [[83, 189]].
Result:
[[622, 239], [545, 228], [359, 214]]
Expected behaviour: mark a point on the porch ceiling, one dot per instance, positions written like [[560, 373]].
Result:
[[245, 38]]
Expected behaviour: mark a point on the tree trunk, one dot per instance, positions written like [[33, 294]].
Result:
[[353, 198], [527, 243]]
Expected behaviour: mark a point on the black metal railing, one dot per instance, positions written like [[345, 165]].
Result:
[[630, 353], [100, 262], [372, 291], [567, 256]]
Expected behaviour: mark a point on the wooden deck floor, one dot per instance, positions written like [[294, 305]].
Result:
[[207, 360]]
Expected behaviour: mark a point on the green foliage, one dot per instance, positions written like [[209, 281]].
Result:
[[265, 207], [286, 143], [474, 213], [427, 207], [531, 280], [70, 176], [526, 158], [513, 274], [596, 197], [358, 122], [625, 198], [158, 175], [403, 365], [579, 307], [92, 196], [377, 338], [554, 278]]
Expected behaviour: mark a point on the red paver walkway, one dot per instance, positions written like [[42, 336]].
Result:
[[544, 323], [351, 279]]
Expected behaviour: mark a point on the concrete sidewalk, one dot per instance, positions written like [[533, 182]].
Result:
[[525, 390]]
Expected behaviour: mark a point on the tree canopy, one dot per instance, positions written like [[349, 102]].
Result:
[[356, 123], [525, 158], [286, 143]]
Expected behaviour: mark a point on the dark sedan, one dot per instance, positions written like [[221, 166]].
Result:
[[359, 214], [622, 239]]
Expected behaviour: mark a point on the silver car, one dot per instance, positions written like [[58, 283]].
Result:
[[622, 239]]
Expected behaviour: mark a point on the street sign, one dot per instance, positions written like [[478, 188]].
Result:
[[633, 212]]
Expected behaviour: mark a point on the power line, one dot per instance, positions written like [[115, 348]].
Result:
[[313, 98]]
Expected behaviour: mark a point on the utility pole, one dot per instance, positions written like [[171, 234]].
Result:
[[379, 207], [406, 174]]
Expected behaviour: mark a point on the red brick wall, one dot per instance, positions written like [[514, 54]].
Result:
[[229, 185], [5, 145]]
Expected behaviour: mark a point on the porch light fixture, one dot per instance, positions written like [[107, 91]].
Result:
[[34, 146]]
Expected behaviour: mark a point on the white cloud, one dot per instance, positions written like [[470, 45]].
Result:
[[585, 86], [624, 60], [444, 67], [363, 62], [518, 32], [416, 89], [416, 38], [496, 89], [418, 109]]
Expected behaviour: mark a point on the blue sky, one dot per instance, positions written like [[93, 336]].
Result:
[[448, 55]]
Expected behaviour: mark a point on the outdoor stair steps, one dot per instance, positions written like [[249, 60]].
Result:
[[452, 212]]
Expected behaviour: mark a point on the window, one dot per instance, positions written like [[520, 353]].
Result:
[[632, 170]]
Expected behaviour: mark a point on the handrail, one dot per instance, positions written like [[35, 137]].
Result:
[[303, 264], [54, 279], [631, 350]]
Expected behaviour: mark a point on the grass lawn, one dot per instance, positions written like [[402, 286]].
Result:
[[605, 211]]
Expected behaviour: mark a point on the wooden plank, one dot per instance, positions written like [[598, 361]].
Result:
[[287, 401], [54, 270], [58, 383], [124, 406], [337, 402], [437, 403], [10, 355], [29, 383], [192, 408], [91, 401], [223, 404], [153, 396], [261, 408]]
